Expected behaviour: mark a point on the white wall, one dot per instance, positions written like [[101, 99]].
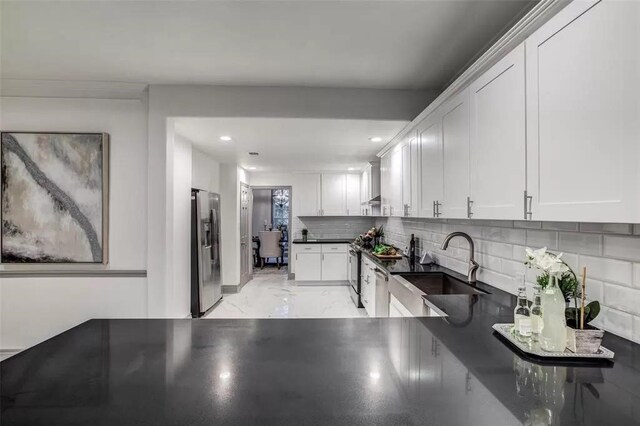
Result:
[[34, 309], [192, 169], [205, 173], [180, 295]]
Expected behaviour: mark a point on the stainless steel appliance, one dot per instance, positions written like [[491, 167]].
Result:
[[355, 284], [206, 282]]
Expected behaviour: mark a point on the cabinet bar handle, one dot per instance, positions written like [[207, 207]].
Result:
[[528, 200], [469, 204]]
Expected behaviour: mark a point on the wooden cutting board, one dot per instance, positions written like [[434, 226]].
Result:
[[388, 256]]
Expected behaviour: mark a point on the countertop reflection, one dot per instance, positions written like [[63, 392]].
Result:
[[304, 371]]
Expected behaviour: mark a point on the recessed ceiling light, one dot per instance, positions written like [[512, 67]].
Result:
[[251, 168], [376, 139], [351, 168], [225, 138]]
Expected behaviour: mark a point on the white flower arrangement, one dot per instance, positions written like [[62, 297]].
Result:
[[551, 264]]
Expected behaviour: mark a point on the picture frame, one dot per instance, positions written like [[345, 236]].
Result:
[[72, 169]]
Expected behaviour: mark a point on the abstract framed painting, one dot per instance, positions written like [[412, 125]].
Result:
[[54, 201]]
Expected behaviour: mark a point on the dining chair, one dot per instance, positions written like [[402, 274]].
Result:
[[270, 246]]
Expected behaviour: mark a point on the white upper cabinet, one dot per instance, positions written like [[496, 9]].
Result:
[[385, 184], [334, 194], [455, 144], [306, 195], [410, 175], [429, 139], [364, 185], [497, 161], [406, 179], [395, 182], [583, 114], [353, 194]]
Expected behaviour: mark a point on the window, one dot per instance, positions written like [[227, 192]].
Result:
[[280, 207]]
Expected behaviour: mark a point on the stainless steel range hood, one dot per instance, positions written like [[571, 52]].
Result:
[[375, 201]]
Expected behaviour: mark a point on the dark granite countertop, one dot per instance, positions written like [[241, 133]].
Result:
[[322, 241], [360, 371]]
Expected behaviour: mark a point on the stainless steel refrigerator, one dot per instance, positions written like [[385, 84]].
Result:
[[206, 281]]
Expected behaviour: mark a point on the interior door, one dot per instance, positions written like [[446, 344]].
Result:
[[583, 114], [245, 234], [497, 108]]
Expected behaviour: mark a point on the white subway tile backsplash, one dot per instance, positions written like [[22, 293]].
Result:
[[512, 267], [595, 290], [608, 270], [580, 243], [519, 253], [622, 298], [494, 248], [622, 247], [501, 281], [615, 321], [505, 235], [560, 226], [527, 224], [538, 239], [610, 251], [606, 228]]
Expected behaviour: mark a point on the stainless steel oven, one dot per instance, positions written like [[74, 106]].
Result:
[[355, 287]]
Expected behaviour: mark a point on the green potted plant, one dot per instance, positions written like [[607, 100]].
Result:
[[581, 337]]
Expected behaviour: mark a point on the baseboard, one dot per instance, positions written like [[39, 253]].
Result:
[[322, 283], [229, 289]]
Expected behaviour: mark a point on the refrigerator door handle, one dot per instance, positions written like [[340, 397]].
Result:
[[213, 224]]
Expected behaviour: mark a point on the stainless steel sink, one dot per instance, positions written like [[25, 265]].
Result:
[[441, 284]]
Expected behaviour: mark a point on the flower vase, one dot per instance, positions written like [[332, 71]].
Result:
[[553, 337]]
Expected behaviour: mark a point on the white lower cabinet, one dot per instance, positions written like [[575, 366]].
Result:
[[397, 309], [308, 266], [321, 262], [368, 286], [334, 266]]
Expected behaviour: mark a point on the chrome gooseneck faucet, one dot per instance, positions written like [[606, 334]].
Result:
[[473, 265]]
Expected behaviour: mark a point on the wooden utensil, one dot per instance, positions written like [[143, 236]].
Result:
[[584, 290]]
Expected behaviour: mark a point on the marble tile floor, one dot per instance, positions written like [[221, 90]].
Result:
[[274, 296]]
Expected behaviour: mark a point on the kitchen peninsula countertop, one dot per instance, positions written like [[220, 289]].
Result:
[[358, 371]]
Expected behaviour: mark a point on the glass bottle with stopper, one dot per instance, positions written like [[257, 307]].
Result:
[[522, 313]]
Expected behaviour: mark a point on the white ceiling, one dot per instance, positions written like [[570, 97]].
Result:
[[289, 144], [369, 44]]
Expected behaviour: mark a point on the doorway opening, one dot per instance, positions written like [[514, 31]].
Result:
[[271, 226]]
